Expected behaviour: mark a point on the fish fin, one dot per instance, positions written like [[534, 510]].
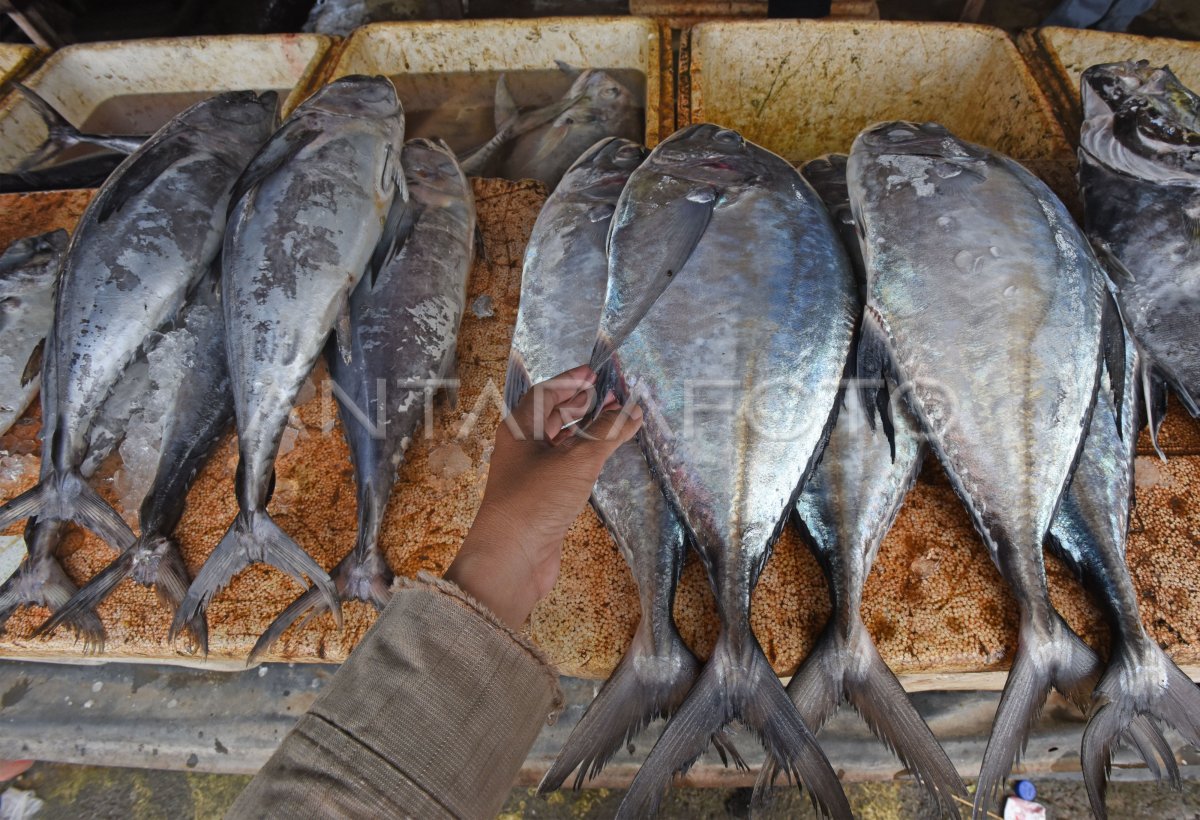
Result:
[[60, 134], [849, 665], [401, 218], [68, 497], [1113, 336], [871, 367], [505, 105], [270, 158], [568, 69], [516, 380], [343, 335], [476, 161], [40, 581], [649, 683], [1058, 659], [92, 593], [1154, 395], [33, 367], [1147, 684], [363, 575], [736, 684], [252, 538], [133, 178]]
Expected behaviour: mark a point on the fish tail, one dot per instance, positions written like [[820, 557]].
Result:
[[363, 575], [649, 683], [737, 683], [253, 537], [60, 134], [1054, 658], [42, 582], [849, 665], [1146, 685], [602, 365], [68, 497]]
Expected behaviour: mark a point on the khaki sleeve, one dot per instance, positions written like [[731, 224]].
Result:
[[432, 715]]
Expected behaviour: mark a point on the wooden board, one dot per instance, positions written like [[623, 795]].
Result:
[[934, 603]]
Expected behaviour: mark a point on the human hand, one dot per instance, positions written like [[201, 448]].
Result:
[[540, 477]]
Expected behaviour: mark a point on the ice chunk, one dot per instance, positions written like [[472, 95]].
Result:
[[482, 307]]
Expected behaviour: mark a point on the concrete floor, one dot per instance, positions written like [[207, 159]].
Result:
[[98, 793]]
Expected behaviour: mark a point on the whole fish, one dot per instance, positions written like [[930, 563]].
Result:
[[28, 272], [987, 304], [1139, 172], [737, 365], [844, 512], [144, 241], [562, 294], [61, 135], [316, 208], [1089, 532], [543, 144], [403, 332], [198, 415]]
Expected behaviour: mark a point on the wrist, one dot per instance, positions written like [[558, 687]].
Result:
[[492, 566]]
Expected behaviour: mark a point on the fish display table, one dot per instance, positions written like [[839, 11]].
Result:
[[935, 605]]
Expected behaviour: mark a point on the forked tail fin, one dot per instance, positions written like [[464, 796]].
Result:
[[1146, 684], [1057, 658], [154, 561], [363, 575], [69, 498], [850, 667], [737, 683], [646, 685], [252, 538], [40, 581]]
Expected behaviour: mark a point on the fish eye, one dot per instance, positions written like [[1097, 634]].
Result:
[[629, 152], [609, 92], [728, 137]]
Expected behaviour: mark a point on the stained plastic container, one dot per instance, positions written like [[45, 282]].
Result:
[[1059, 56], [135, 86], [454, 65]]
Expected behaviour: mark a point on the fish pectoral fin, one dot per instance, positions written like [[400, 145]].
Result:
[[506, 106], [872, 364], [398, 226], [34, 365], [269, 159], [132, 178], [1112, 328]]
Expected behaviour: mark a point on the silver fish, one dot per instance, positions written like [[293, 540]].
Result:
[[562, 294], [737, 365], [989, 307], [28, 273], [1089, 532], [844, 512], [142, 244], [544, 143], [404, 322], [316, 208], [61, 135], [199, 414], [1139, 171]]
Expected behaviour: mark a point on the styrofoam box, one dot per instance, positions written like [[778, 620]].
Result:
[[1059, 57], [78, 79], [13, 58], [519, 45], [805, 88]]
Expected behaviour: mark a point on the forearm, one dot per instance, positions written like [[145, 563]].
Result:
[[432, 715]]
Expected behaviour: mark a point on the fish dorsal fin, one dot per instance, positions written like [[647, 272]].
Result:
[[506, 106], [33, 366], [271, 157], [568, 69], [142, 169]]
